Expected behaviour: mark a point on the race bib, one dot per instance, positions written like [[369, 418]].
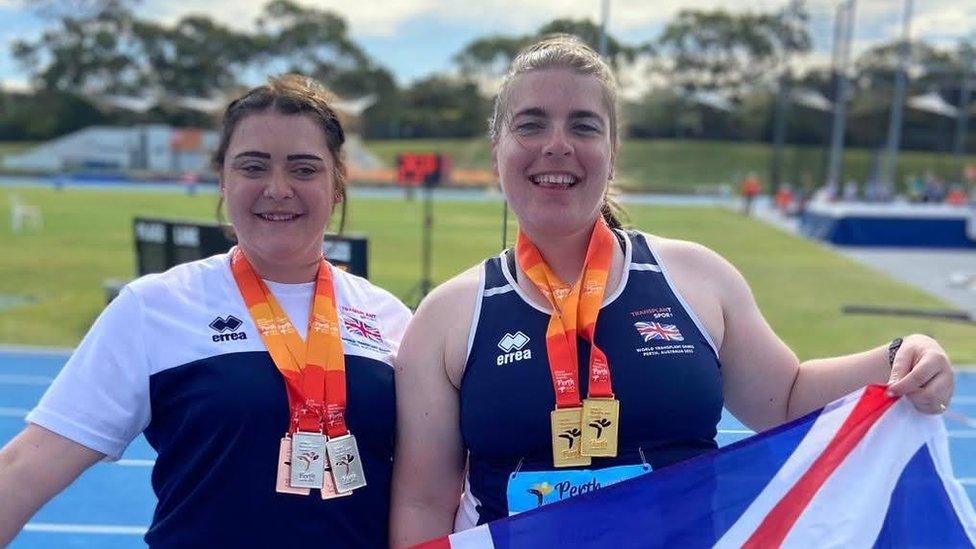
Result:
[[530, 489]]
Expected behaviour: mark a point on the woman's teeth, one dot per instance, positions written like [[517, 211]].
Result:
[[277, 216], [560, 179]]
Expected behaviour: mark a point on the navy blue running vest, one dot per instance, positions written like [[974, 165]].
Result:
[[665, 372]]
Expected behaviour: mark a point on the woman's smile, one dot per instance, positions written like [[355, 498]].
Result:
[[554, 180]]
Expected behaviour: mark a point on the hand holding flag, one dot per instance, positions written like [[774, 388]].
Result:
[[921, 371]]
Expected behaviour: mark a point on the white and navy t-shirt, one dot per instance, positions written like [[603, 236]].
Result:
[[176, 356]]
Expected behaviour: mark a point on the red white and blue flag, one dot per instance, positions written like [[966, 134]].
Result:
[[656, 330], [360, 328], [865, 471]]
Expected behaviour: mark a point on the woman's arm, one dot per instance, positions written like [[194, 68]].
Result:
[[429, 464], [764, 383], [34, 467], [921, 371]]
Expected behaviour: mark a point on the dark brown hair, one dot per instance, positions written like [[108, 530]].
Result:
[[289, 94], [569, 52]]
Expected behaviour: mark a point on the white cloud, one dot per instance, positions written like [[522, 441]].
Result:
[[383, 18], [950, 22], [941, 22], [15, 85]]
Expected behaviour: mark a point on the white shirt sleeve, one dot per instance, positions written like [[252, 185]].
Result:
[[101, 397], [396, 316]]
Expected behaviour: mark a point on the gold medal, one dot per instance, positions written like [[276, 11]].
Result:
[[600, 425], [566, 438], [283, 482]]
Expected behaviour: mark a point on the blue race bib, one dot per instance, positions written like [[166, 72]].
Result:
[[530, 489]]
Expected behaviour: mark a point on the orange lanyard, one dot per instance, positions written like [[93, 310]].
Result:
[[314, 371], [574, 311]]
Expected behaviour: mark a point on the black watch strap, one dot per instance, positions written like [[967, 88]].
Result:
[[893, 350]]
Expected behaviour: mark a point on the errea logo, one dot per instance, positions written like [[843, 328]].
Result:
[[513, 345], [230, 325]]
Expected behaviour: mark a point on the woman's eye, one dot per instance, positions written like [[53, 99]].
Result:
[[304, 171], [528, 127], [252, 169], [587, 128]]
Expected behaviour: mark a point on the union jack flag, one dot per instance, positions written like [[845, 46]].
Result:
[[359, 327], [655, 330], [877, 458]]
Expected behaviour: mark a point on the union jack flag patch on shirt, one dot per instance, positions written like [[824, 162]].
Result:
[[656, 330], [360, 328]]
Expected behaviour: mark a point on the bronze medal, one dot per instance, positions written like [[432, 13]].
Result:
[[329, 489], [283, 482]]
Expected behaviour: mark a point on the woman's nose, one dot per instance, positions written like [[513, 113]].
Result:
[[557, 145], [278, 186]]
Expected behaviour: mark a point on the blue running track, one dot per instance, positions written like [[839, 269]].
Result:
[[111, 504]]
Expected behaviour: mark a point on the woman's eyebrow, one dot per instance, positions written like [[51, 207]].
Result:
[[532, 111], [291, 157], [253, 154], [585, 114]]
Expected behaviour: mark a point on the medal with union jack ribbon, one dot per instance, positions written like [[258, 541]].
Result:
[[317, 451], [588, 428]]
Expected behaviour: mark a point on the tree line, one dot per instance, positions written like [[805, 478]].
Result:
[[98, 48]]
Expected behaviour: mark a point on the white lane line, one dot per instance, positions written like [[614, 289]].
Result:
[[735, 432], [135, 462], [24, 379], [59, 528], [35, 350], [13, 412]]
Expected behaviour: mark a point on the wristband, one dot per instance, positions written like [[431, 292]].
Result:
[[893, 350]]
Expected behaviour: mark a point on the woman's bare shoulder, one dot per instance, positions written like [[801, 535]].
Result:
[[439, 331], [686, 253], [454, 292]]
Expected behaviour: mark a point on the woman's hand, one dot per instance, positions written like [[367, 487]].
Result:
[[922, 372]]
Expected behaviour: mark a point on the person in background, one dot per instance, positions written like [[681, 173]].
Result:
[[784, 198], [751, 188], [590, 351], [239, 366]]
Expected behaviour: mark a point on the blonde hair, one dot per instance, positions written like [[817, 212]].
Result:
[[563, 51]]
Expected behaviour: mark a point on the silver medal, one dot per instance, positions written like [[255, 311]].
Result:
[[347, 465], [307, 460]]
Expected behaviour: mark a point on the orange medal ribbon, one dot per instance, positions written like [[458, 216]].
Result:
[[575, 310], [314, 371]]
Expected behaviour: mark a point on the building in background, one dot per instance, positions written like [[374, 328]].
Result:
[[148, 148]]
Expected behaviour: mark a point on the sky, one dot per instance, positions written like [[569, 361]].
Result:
[[415, 38]]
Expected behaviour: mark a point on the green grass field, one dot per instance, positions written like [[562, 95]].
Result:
[[684, 165], [799, 285], [10, 147]]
